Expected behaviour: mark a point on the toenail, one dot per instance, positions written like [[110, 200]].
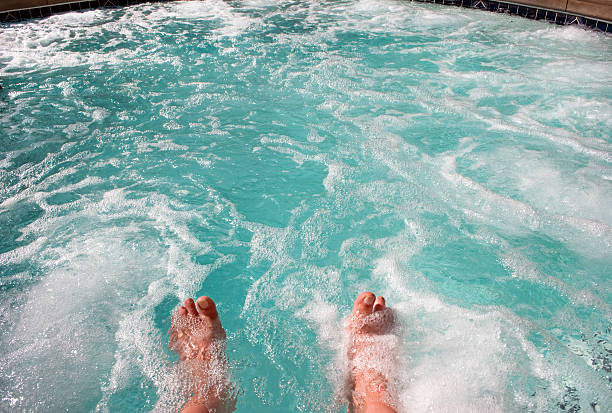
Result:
[[204, 304], [369, 300]]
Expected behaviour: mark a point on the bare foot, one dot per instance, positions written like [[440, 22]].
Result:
[[372, 355], [199, 340]]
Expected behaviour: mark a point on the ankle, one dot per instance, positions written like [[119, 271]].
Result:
[[378, 407], [195, 406]]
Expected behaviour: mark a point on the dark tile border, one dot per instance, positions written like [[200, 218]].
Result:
[[44, 11], [530, 12]]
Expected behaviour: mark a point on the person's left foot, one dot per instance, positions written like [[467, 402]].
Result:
[[196, 330], [198, 338]]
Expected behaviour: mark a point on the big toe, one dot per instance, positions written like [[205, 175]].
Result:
[[363, 304], [207, 308]]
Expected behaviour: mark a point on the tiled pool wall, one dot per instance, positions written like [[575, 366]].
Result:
[[594, 14], [12, 10]]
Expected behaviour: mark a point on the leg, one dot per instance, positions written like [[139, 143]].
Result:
[[194, 408], [199, 340], [371, 355]]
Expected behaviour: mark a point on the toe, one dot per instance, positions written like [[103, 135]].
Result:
[[182, 311], [207, 308], [190, 306], [379, 304], [363, 303]]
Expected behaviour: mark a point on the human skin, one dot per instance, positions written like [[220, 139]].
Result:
[[370, 385], [198, 338]]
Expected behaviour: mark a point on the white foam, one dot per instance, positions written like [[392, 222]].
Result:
[[475, 350], [523, 268], [30, 46], [334, 176], [162, 145], [63, 337], [555, 199]]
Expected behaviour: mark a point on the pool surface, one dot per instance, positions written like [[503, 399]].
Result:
[[282, 157]]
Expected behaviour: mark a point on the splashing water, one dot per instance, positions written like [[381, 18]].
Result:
[[282, 157]]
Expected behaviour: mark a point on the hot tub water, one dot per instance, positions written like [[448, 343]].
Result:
[[282, 157]]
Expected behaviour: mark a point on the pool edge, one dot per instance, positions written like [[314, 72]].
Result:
[[62, 6], [533, 10]]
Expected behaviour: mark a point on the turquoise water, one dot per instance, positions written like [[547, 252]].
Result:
[[281, 157]]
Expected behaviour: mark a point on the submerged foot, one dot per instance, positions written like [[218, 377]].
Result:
[[198, 338], [372, 355]]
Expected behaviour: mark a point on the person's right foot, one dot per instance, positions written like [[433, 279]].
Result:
[[371, 354]]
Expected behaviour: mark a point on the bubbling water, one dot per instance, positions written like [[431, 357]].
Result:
[[282, 157], [372, 353]]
